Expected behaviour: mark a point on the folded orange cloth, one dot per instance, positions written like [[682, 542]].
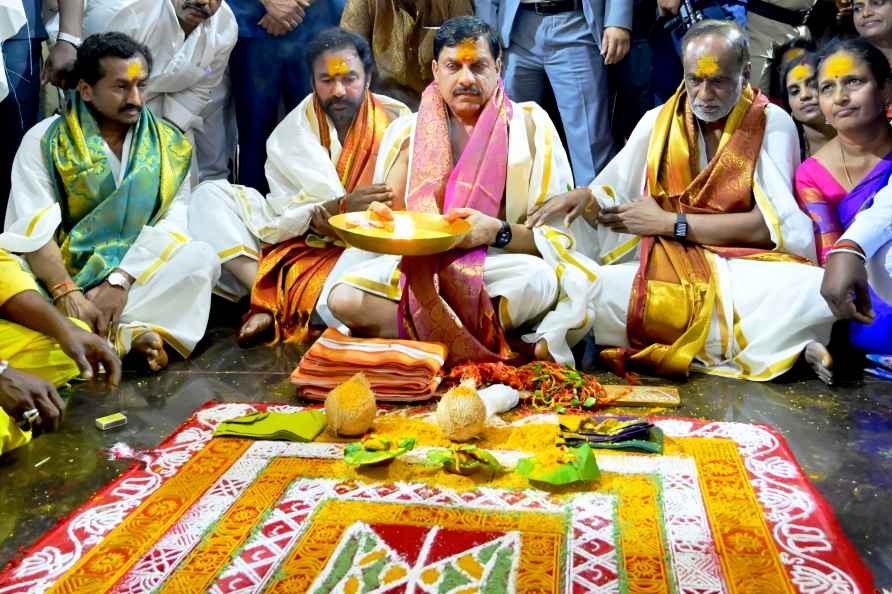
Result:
[[397, 370]]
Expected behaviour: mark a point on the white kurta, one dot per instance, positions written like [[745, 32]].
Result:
[[12, 18], [872, 230], [188, 71], [767, 312], [301, 175], [174, 275], [552, 294]]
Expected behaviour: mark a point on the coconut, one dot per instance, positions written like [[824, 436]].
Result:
[[461, 413], [350, 408]]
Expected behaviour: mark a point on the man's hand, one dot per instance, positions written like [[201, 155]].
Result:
[[319, 222], [484, 228], [21, 391], [569, 205], [110, 301], [289, 13], [60, 65], [615, 44], [76, 305], [845, 288], [642, 216], [669, 6], [274, 27], [360, 198], [89, 352]]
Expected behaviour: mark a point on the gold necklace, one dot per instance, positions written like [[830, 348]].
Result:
[[845, 167]]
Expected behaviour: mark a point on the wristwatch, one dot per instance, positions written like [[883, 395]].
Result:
[[681, 226], [503, 237], [116, 279], [72, 39]]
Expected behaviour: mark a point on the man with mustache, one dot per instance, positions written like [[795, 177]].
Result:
[[706, 259], [191, 41], [321, 159], [471, 153], [98, 210]]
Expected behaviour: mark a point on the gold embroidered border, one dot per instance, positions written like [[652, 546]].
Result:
[[542, 536], [103, 565], [750, 561], [207, 560], [642, 540]]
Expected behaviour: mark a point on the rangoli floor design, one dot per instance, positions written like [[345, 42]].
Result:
[[725, 510]]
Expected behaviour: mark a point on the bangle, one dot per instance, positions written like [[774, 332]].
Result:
[[849, 244], [69, 292], [64, 288], [342, 205], [845, 250]]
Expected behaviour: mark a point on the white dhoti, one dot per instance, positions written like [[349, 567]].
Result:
[[526, 285], [750, 337]]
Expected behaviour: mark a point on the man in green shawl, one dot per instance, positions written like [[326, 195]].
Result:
[[98, 210]]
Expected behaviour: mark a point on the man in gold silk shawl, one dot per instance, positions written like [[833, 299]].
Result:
[[470, 152], [705, 257], [320, 161], [98, 210]]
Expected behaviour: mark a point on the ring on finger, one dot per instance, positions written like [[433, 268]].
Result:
[[29, 418]]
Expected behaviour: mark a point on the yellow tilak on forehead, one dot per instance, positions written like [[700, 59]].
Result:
[[839, 65], [134, 70], [467, 50], [792, 54], [337, 67], [707, 66], [801, 72]]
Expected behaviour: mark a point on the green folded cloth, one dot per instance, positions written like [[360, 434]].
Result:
[[300, 426]]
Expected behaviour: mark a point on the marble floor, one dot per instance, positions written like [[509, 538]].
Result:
[[842, 437]]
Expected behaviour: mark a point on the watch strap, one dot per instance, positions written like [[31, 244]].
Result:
[[72, 39], [503, 237], [681, 226]]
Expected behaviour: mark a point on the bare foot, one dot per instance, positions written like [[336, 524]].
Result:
[[541, 352], [254, 327], [151, 346], [817, 355]]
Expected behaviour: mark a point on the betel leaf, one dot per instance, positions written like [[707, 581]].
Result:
[[364, 453], [582, 468], [465, 459]]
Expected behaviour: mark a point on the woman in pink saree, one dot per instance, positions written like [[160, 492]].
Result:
[[844, 176]]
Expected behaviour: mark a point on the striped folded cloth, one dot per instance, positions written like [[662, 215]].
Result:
[[398, 370]]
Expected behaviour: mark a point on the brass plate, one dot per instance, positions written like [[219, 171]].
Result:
[[643, 395], [412, 234]]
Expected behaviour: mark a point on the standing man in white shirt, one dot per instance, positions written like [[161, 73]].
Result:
[[190, 41]]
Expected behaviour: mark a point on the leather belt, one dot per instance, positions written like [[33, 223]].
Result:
[[793, 18], [553, 7]]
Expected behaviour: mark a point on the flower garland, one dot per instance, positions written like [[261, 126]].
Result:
[[543, 385]]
